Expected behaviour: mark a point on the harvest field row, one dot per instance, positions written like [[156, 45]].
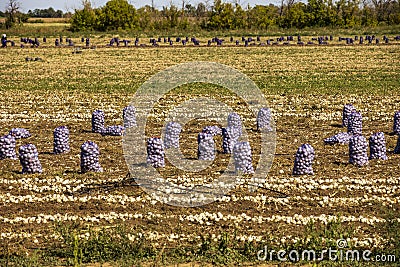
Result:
[[305, 87]]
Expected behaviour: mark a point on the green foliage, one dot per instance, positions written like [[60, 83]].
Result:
[[263, 17], [85, 245], [319, 237], [222, 16], [84, 19], [117, 15], [45, 13]]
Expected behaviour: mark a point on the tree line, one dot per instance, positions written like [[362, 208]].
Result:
[[119, 14], [219, 15], [14, 15]]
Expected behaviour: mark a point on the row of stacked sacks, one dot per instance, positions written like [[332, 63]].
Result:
[[358, 145], [206, 144], [98, 122], [28, 154]]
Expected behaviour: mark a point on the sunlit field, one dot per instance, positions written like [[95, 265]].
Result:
[[62, 216]]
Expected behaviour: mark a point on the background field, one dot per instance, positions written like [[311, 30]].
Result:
[[306, 87]]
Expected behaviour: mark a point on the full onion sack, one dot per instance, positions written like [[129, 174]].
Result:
[[7, 147], [396, 123], [243, 158], [347, 110], [355, 123], [29, 159], [61, 140], [19, 133], [230, 136], [155, 152], [377, 146], [264, 119], [129, 116], [214, 130], [340, 138], [358, 150], [98, 121], [303, 160], [113, 130], [172, 132], [397, 149], [235, 121], [206, 146], [90, 157]]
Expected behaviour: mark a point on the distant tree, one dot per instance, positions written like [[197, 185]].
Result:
[[201, 10], [171, 14], [84, 19], [240, 18], [12, 10], [117, 14], [45, 13], [146, 14], [222, 16], [262, 17], [190, 10], [2, 14]]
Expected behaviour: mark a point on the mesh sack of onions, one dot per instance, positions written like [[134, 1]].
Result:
[[264, 119], [29, 159], [347, 110], [61, 140], [172, 132], [98, 121], [303, 160], [377, 146], [19, 133], [7, 147], [243, 158], [206, 146], [90, 153], [155, 152], [358, 150], [129, 116]]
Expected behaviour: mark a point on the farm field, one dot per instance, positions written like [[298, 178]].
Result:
[[306, 88]]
